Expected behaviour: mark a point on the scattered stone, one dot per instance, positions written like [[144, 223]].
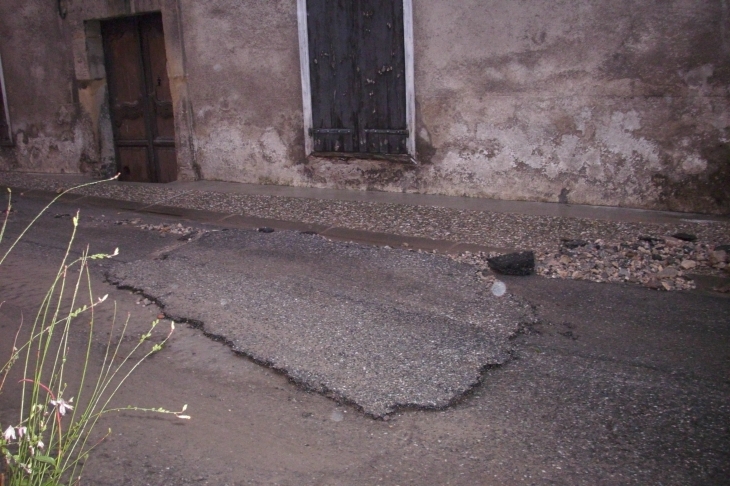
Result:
[[688, 264], [668, 272], [718, 256], [650, 239], [685, 237], [521, 263], [188, 236], [653, 283], [671, 241], [266, 229], [656, 263], [572, 244]]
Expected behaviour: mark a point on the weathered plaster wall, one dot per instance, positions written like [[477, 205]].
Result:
[[617, 103], [583, 101], [621, 102], [243, 71], [51, 132]]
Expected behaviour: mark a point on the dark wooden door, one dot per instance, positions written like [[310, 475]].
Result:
[[357, 71], [139, 98]]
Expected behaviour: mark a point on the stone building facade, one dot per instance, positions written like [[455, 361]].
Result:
[[621, 102]]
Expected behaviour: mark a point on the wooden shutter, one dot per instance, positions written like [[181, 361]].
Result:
[[357, 71]]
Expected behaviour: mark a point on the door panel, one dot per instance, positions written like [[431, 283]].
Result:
[[126, 81], [133, 163], [159, 83], [139, 98], [168, 163]]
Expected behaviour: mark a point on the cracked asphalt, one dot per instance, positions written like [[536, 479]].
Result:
[[380, 328]]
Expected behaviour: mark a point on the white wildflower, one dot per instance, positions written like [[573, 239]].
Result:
[[22, 431], [9, 433], [62, 405]]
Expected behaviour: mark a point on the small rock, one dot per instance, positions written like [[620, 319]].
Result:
[[671, 241], [688, 264], [266, 230], [565, 260], [668, 272], [725, 248], [650, 239], [521, 263], [160, 316], [653, 284], [685, 236], [572, 244], [717, 256]]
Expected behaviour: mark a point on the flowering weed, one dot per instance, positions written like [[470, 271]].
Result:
[[48, 443]]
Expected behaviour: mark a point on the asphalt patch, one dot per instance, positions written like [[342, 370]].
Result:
[[381, 328]]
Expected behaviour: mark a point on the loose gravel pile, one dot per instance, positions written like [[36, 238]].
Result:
[[661, 263]]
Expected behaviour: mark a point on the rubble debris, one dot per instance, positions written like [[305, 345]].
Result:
[[661, 263], [520, 263]]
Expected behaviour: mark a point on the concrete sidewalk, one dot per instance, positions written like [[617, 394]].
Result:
[[428, 222]]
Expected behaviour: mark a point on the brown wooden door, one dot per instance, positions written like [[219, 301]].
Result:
[[139, 98]]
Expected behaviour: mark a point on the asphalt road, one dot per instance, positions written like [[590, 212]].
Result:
[[597, 383]]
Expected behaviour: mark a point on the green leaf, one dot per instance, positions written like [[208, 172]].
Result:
[[46, 459]]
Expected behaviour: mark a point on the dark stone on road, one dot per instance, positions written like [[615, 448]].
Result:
[[520, 264], [722, 248], [266, 230], [685, 237]]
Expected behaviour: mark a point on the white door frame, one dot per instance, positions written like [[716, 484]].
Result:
[[306, 80], [4, 101]]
